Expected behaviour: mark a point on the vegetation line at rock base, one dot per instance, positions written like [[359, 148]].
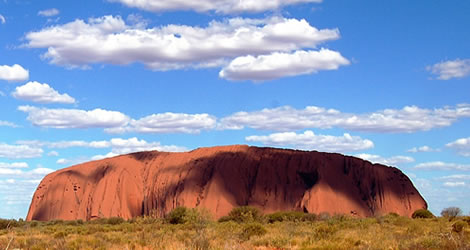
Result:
[[243, 228]]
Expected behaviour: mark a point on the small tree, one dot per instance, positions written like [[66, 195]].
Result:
[[451, 212]]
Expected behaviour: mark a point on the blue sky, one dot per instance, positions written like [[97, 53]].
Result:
[[385, 81]]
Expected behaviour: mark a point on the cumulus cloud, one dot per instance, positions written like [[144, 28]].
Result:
[[41, 93], [456, 177], [117, 145], [422, 149], [462, 146], [219, 6], [278, 65], [15, 73], [53, 153], [109, 39], [406, 120], [446, 166], [14, 165], [8, 124], [2, 19], [117, 122], [310, 141], [74, 118], [391, 161], [18, 173], [169, 123], [447, 70], [49, 12], [19, 151], [454, 184]]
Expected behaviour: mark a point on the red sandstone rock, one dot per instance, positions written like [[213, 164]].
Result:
[[221, 178]]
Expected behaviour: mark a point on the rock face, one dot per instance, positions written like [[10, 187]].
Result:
[[221, 178]]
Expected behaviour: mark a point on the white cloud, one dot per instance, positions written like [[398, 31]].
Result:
[[462, 146], [394, 160], [116, 122], [169, 123], [118, 145], [15, 73], [2, 19], [219, 6], [74, 118], [439, 165], [454, 184], [14, 165], [53, 153], [66, 144], [2, 94], [310, 141], [110, 40], [18, 173], [422, 149], [100, 157], [19, 151], [406, 120], [49, 12], [456, 177], [451, 69], [41, 93], [8, 124], [278, 65], [124, 146]]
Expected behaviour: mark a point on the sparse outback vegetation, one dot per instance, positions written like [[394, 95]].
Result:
[[244, 228], [451, 212]]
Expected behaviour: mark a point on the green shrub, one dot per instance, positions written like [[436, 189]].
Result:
[[422, 213], [6, 224], [243, 214], [393, 215], [294, 216], [55, 222], [324, 231], [225, 219], [177, 215], [252, 229], [115, 221], [466, 219], [309, 217], [60, 235], [285, 216], [458, 226], [74, 222]]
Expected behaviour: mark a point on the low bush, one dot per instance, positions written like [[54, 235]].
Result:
[[451, 212], [285, 216], [6, 224], [177, 216], [252, 229], [193, 216], [243, 214], [309, 217], [458, 226], [115, 221], [422, 213]]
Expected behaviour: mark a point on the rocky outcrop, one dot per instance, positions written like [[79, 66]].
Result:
[[220, 178]]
